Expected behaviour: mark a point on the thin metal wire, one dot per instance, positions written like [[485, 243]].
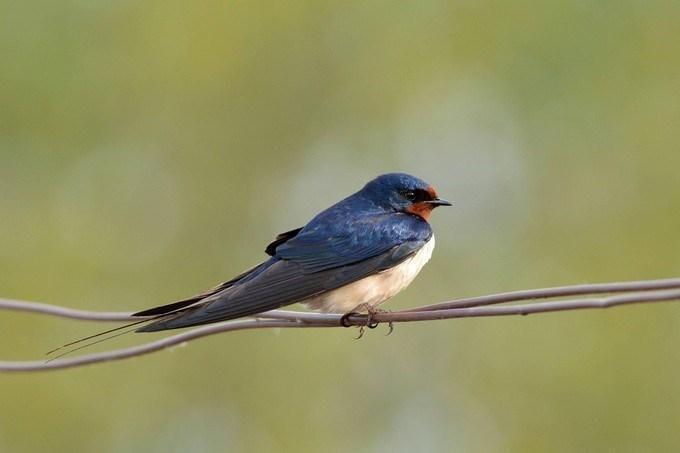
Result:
[[622, 293]]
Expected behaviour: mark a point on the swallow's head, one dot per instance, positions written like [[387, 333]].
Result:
[[404, 193]]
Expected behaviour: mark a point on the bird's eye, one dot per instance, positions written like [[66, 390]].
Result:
[[417, 195], [410, 195]]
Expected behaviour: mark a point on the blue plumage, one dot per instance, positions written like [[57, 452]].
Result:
[[362, 225], [367, 233]]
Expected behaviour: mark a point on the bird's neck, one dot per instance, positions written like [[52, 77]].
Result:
[[422, 210]]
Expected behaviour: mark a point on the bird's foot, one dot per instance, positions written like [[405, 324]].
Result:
[[372, 325], [344, 321], [390, 325], [370, 312]]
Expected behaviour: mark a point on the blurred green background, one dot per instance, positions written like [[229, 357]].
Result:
[[149, 150]]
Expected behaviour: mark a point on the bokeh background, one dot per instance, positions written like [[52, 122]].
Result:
[[149, 150]]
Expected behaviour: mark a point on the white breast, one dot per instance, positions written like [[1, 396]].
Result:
[[375, 289]]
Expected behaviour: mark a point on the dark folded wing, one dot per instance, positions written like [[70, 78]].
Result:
[[320, 249], [281, 283], [174, 306], [280, 239], [184, 303]]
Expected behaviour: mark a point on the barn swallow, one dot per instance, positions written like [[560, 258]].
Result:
[[348, 259], [351, 257]]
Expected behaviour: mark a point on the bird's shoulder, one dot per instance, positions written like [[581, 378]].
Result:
[[347, 233]]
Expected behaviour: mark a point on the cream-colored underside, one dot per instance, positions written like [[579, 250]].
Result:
[[375, 289]]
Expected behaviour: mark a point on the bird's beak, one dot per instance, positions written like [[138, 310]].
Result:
[[439, 202]]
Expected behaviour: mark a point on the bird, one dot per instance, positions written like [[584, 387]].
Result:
[[351, 257], [348, 259]]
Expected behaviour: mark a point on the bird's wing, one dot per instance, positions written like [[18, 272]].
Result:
[[280, 239], [282, 283], [184, 303], [174, 306], [319, 249]]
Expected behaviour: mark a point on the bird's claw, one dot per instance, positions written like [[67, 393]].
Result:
[[344, 321], [361, 333], [371, 311]]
